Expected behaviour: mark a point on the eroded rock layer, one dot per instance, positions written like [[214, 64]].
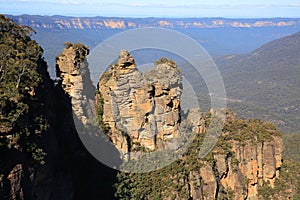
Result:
[[72, 68], [141, 110], [251, 158]]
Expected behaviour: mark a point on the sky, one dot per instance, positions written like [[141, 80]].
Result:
[[155, 8]]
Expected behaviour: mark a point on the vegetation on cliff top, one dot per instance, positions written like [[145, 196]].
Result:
[[81, 50], [21, 118], [171, 181], [22, 121]]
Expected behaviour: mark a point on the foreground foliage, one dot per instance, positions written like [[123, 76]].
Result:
[[21, 116]]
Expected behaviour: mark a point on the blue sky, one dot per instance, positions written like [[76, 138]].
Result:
[[155, 8]]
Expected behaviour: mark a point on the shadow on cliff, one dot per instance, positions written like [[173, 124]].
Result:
[[11, 161], [91, 179]]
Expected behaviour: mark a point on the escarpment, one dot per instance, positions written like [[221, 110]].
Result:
[[42, 157], [246, 159], [141, 111], [247, 156], [252, 157]]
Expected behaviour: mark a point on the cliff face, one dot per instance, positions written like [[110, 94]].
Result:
[[41, 155], [72, 68], [249, 163], [250, 167], [30, 165], [76, 95], [135, 103], [29, 149], [43, 158], [246, 158], [141, 111], [96, 23], [134, 106]]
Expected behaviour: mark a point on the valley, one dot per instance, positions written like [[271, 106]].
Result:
[[128, 136]]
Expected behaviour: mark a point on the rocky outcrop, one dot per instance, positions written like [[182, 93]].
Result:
[[16, 181], [76, 99], [246, 158], [260, 163], [46, 159], [248, 163], [195, 117], [238, 174], [141, 110], [42, 157], [72, 68]]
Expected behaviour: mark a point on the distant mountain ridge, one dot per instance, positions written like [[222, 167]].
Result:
[[42, 156], [278, 53], [263, 83], [97, 23], [219, 36], [266, 82]]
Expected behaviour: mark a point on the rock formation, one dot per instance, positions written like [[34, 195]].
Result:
[[43, 158], [242, 162], [72, 68], [251, 166], [247, 165], [140, 110]]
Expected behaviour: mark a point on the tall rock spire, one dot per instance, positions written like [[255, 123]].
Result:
[[141, 111]]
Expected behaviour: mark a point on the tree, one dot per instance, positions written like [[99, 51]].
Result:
[[20, 64]]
